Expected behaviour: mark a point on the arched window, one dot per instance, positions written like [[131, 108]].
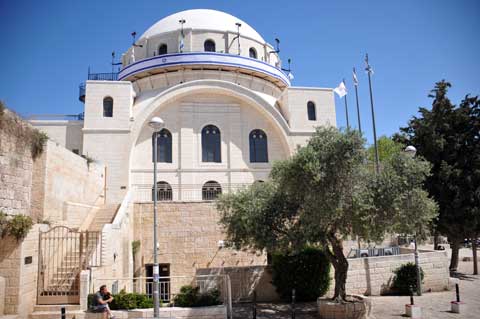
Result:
[[209, 46], [258, 147], [211, 151], [211, 190], [312, 113], [164, 146], [164, 191], [162, 49], [252, 53], [108, 107]]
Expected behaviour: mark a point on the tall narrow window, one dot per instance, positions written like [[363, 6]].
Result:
[[211, 190], [209, 46], [258, 147], [252, 53], [211, 151], [162, 49], [312, 113], [164, 191], [164, 146], [108, 107]]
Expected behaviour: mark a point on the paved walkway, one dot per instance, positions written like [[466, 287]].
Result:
[[434, 305]]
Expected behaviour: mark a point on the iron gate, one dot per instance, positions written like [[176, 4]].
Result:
[[63, 254]]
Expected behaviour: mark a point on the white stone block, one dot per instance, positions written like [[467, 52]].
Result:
[[457, 306], [413, 311]]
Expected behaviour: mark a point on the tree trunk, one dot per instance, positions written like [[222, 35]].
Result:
[[455, 246], [340, 264], [436, 241], [474, 251]]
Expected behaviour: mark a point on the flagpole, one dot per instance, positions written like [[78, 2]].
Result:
[[346, 108], [369, 71], [358, 107]]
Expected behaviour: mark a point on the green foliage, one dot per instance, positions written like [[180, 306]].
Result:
[[307, 271], [126, 301], [405, 279], [24, 133], [447, 136], [387, 148], [17, 226], [191, 297], [326, 192]]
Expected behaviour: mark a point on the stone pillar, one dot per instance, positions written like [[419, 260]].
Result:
[[84, 289]]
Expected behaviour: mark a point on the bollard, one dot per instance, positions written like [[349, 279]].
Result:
[[254, 305], [412, 310], [293, 303], [62, 311], [457, 305]]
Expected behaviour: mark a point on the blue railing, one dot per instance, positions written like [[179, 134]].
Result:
[[81, 92], [103, 76]]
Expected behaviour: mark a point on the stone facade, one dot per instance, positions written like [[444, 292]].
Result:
[[374, 275], [15, 172], [188, 239]]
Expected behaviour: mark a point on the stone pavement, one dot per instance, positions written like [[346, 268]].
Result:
[[434, 305]]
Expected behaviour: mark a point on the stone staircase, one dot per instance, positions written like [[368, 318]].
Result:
[[104, 215], [54, 311]]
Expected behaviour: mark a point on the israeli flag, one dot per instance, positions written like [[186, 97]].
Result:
[[290, 76], [182, 44]]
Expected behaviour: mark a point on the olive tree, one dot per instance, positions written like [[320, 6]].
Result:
[[325, 193]]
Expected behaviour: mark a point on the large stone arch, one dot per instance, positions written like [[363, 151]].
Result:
[[210, 86]]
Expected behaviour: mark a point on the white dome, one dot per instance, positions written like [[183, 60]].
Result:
[[202, 19]]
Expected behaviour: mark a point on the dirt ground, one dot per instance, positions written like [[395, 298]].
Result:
[[434, 305]]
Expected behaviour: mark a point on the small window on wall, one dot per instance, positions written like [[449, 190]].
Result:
[[164, 192], [252, 53], [209, 46], [211, 139], [211, 190], [162, 49], [312, 113], [164, 146], [108, 107], [258, 147]]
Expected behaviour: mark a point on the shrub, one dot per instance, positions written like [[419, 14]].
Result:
[[126, 301], [406, 278], [17, 226], [3, 224], [191, 297], [307, 271]]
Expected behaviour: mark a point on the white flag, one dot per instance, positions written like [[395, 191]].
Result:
[[341, 90], [181, 45], [290, 76], [355, 80]]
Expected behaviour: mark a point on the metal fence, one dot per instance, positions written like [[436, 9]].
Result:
[[184, 192]]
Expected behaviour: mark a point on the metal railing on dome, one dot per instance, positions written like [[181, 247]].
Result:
[[111, 76]]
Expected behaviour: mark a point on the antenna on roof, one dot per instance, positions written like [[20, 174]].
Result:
[[289, 68], [134, 34]]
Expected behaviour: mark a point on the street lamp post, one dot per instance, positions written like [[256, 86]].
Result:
[[411, 150], [156, 124]]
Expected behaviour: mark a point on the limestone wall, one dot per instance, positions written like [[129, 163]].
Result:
[[374, 275], [188, 239], [66, 187], [15, 172], [20, 271]]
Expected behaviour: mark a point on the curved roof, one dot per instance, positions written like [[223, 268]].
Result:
[[202, 19]]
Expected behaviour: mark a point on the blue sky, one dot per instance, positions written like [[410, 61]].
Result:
[[47, 47]]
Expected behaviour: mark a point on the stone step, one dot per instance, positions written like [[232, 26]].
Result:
[[55, 308], [75, 314]]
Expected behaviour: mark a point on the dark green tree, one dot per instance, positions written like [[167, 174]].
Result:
[[325, 193], [448, 137]]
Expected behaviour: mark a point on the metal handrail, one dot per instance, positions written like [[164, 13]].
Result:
[[111, 76]]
